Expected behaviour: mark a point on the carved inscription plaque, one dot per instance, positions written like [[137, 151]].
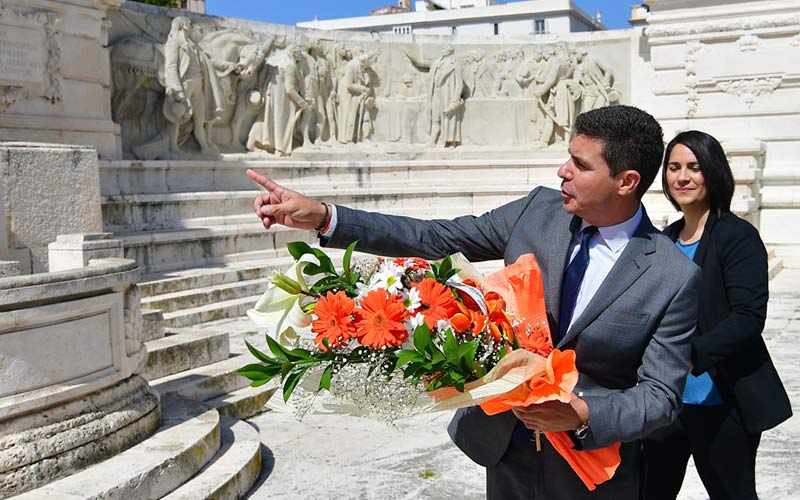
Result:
[[21, 55]]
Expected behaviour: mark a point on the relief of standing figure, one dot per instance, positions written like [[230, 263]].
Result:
[[445, 101], [192, 89], [284, 104], [355, 99]]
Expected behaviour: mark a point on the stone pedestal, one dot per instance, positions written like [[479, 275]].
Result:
[[45, 190], [72, 251], [71, 349]]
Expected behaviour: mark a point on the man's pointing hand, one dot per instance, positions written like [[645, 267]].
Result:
[[286, 207]]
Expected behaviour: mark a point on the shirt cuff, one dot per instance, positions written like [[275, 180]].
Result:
[[332, 226]]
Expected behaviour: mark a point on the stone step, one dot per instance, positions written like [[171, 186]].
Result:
[[183, 350], [200, 277], [152, 324], [158, 251], [198, 210], [232, 472], [134, 177], [188, 438], [210, 312], [209, 295], [244, 403], [205, 382]]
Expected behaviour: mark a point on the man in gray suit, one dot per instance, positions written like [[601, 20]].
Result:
[[617, 291]]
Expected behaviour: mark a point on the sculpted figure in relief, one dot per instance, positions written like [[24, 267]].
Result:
[[445, 97], [284, 104], [532, 70], [193, 90], [555, 95], [510, 74], [355, 100], [237, 59], [325, 102], [596, 80]]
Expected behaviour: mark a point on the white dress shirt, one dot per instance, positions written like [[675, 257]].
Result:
[[604, 250]]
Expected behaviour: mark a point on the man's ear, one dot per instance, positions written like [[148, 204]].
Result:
[[628, 182]]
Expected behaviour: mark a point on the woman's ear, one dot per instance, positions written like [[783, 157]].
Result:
[[628, 182]]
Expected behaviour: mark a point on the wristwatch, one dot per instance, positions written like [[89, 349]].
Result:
[[582, 430]]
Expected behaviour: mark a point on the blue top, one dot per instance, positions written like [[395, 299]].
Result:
[[700, 390]]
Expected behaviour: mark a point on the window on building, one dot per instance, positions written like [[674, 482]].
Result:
[[496, 29], [539, 27], [184, 4], [402, 30]]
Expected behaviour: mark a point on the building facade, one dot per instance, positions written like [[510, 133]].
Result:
[[472, 18]]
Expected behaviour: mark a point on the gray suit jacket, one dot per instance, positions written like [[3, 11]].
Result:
[[632, 340]]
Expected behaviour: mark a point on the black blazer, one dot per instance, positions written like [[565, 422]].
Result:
[[731, 312]]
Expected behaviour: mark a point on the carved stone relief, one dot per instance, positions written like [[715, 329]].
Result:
[[30, 57], [693, 97], [750, 88], [207, 91]]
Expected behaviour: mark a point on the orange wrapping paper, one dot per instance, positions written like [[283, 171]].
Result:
[[520, 285]]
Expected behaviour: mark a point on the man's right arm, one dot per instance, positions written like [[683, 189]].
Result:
[[478, 238]]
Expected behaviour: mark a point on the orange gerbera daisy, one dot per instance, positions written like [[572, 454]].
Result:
[[334, 321], [437, 301], [379, 320]]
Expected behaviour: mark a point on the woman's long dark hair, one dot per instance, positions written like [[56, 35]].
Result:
[[713, 165]]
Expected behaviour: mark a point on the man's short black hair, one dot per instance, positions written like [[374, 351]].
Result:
[[632, 140], [713, 165]]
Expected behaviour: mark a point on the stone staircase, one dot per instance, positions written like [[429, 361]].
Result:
[[195, 454]]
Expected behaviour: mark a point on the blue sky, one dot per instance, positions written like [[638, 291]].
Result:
[[615, 12]]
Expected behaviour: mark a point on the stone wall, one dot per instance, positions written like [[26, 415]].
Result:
[[730, 69], [54, 74]]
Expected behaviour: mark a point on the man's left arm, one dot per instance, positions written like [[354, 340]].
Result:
[[629, 414]]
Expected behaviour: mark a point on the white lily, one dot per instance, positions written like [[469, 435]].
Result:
[[279, 312]]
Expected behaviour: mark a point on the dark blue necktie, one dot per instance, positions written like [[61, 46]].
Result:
[[572, 282]]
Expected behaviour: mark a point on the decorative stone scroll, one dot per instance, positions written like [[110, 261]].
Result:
[[30, 57]]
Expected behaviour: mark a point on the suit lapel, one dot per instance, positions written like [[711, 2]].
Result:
[[633, 262], [555, 266]]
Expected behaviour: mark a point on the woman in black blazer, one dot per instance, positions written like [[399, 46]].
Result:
[[733, 392]]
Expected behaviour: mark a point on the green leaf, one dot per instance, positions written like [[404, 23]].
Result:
[[422, 338], [466, 353], [405, 356], [327, 375], [288, 355], [260, 355], [258, 372], [277, 349], [291, 382], [300, 248], [450, 348], [348, 254]]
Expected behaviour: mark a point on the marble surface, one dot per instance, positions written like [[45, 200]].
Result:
[[326, 457]]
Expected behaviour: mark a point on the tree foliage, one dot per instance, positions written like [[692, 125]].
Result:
[[161, 3]]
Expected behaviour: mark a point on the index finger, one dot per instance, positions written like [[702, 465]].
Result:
[[263, 180]]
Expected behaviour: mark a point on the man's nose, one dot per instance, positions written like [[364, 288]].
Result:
[[563, 170]]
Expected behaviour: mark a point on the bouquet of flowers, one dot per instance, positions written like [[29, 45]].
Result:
[[390, 338]]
